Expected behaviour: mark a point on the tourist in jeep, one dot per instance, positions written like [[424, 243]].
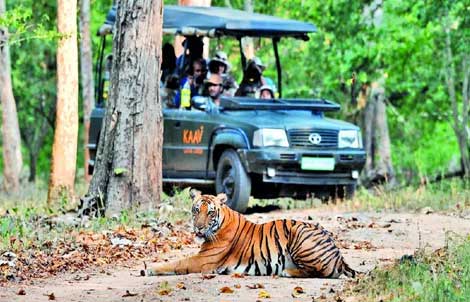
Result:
[[220, 65], [213, 90], [265, 92], [252, 78]]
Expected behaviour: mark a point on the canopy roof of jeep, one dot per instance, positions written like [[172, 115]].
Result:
[[221, 21]]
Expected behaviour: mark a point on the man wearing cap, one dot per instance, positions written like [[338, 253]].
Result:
[[220, 65], [213, 91]]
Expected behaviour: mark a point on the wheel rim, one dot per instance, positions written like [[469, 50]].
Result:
[[228, 180]]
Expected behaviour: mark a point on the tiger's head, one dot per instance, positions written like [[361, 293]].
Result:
[[207, 214]]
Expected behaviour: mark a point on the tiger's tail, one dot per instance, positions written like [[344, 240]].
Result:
[[348, 271]]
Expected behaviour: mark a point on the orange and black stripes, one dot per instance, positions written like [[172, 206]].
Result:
[[287, 248]]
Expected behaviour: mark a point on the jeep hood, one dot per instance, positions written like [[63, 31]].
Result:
[[287, 119]]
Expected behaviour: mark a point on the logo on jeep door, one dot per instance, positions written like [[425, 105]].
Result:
[[191, 137], [314, 138]]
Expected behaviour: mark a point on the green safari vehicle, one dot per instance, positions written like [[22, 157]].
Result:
[[249, 147]]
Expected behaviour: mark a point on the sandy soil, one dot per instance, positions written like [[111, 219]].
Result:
[[366, 240]]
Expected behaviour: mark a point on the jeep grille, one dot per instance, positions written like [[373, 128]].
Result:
[[299, 138]]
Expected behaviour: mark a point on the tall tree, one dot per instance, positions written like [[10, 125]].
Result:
[[378, 167], [128, 170], [86, 70], [64, 148], [12, 159]]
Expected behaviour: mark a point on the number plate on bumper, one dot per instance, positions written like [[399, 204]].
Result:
[[317, 163]]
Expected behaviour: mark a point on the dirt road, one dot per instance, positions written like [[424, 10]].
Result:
[[366, 240]]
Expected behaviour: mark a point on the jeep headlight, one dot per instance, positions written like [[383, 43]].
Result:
[[270, 137], [349, 139]]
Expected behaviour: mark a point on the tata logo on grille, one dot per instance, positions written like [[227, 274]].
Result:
[[314, 138]]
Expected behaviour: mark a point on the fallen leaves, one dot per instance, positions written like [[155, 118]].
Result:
[[77, 250]]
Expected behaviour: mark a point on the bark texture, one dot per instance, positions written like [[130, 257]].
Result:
[[64, 148], [378, 167], [12, 159], [128, 170], [86, 71]]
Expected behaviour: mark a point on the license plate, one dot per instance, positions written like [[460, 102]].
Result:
[[317, 163]]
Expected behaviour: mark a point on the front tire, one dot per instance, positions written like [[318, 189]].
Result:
[[232, 179]]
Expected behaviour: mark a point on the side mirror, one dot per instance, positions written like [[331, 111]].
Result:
[[199, 102]]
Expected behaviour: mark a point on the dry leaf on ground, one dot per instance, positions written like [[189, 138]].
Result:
[[297, 292], [164, 292], [226, 290], [263, 294], [238, 275], [255, 286], [50, 296], [180, 285], [129, 294], [208, 276]]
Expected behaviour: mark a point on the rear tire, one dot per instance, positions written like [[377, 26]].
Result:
[[232, 179]]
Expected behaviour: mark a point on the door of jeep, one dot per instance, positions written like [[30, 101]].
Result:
[[187, 136]]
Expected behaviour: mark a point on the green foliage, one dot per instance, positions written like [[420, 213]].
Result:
[[400, 44], [440, 276], [403, 48], [23, 25]]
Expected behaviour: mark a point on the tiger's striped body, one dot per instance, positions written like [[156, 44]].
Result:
[[233, 244]]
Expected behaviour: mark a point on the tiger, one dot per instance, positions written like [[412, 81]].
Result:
[[232, 244]]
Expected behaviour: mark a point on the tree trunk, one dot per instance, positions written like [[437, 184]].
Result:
[[86, 70], [459, 120], [12, 159], [128, 170], [378, 167], [33, 159], [179, 39], [64, 148]]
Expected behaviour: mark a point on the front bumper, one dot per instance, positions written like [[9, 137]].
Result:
[[286, 164]]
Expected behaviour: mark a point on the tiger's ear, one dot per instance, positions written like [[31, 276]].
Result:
[[222, 198], [193, 193]]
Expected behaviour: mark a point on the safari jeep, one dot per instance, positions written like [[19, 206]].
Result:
[[250, 147]]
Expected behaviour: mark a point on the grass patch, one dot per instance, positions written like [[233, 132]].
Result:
[[450, 195], [443, 196], [443, 275]]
